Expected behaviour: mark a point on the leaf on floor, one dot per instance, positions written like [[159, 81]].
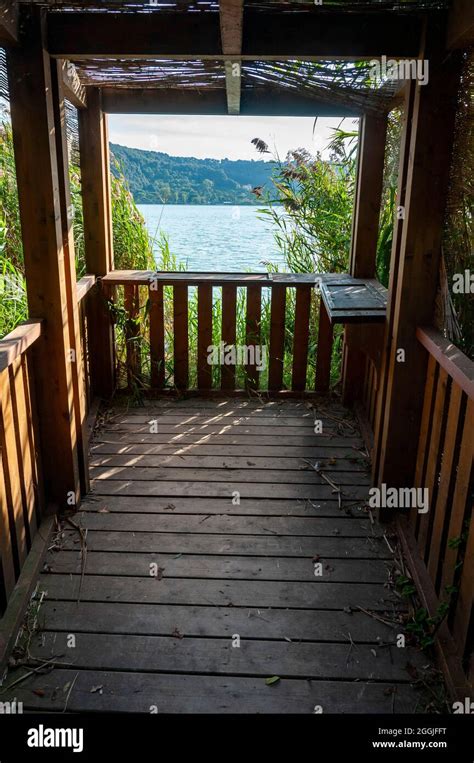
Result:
[[272, 680]]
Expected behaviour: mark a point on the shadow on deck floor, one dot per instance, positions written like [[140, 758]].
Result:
[[217, 558]]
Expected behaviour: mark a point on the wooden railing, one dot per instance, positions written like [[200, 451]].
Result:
[[158, 312], [442, 540], [84, 285], [21, 492]]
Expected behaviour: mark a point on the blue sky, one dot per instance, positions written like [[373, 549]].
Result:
[[221, 137]]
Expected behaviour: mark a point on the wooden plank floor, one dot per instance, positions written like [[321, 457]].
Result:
[[204, 529]]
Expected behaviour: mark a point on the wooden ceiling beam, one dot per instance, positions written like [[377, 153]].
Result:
[[8, 22], [74, 90], [266, 35], [255, 102], [231, 17]]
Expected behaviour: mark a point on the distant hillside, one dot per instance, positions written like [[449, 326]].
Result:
[[156, 178]]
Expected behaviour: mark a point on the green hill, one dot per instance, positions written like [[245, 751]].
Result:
[[157, 178]]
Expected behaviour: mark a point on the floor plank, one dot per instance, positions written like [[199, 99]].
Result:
[[141, 692], [211, 656]]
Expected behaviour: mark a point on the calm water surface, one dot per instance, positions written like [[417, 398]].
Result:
[[218, 237]]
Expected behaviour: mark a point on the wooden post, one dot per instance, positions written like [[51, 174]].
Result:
[[98, 240], [365, 229], [32, 115], [415, 263], [67, 219]]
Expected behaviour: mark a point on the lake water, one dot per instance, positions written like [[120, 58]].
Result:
[[215, 237]]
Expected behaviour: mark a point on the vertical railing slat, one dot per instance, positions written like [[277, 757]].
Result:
[[425, 430], [22, 425], [448, 451], [204, 369], [254, 303], [180, 328], [7, 564], [301, 337], [132, 334], [157, 337], [277, 338], [229, 311], [460, 495], [324, 352], [431, 475], [12, 473]]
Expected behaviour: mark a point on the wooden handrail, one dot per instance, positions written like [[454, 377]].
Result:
[[172, 362], [170, 278], [83, 286], [18, 341], [455, 363]]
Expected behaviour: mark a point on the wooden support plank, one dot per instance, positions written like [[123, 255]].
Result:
[[74, 90], [256, 101], [301, 337], [132, 333], [252, 336], [204, 368], [231, 18], [324, 352], [460, 496], [365, 229], [157, 337], [413, 295], [229, 311], [277, 338], [9, 14], [445, 480], [180, 329], [425, 429], [67, 222], [183, 35], [38, 183], [97, 216], [407, 126]]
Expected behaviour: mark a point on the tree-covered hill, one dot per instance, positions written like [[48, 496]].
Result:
[[157, 178]]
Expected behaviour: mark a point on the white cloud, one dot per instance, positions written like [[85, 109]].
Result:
[[222, 137]]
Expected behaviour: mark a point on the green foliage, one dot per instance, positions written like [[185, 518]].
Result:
[[132, 246], [157, 178]]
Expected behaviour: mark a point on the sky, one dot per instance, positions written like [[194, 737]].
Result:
[[222, 137]]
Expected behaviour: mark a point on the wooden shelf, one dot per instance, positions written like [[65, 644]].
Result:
[[353, 300]]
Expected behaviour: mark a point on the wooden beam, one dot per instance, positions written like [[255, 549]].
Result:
[[38, 180], [365, 229], [98, 239], [67, 221], [231, 16], [267, 34], [74, 90], [413, 291], [255, 102], [8, 22], [460, 33]]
